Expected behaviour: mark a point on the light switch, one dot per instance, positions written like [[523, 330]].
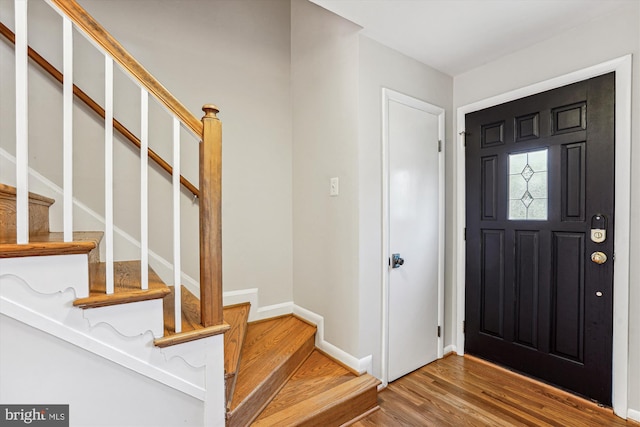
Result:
[[334, 186]]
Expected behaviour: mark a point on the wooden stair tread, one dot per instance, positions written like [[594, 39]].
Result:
[[50, 244], [272, 352], [38, 213], [236, 317], [192, 329], [335, 406], [317, 374], [127, 285], [9, 192]]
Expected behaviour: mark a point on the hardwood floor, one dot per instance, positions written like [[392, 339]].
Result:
[[466, 391]]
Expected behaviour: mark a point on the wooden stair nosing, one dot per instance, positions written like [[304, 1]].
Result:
[[236, 316], [183, 337], [50, 244], [10, 192], [127, 285], [270, 377], [190, 318], [336, 406], [250, 408], [318, 373]]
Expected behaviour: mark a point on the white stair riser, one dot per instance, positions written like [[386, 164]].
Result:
[[131, 319], [181, 367], [53, 273]]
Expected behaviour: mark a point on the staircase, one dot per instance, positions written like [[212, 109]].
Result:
[[274, 375], [278, 378]]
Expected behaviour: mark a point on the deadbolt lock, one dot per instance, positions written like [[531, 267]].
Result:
[[598, 228]]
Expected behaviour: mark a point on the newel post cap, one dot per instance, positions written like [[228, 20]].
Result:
[[210, 111]]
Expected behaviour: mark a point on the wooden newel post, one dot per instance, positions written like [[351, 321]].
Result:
[[211, 218]]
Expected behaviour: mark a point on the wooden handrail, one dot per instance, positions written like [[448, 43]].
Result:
[[211, 219], [106, 41], [56, 74]]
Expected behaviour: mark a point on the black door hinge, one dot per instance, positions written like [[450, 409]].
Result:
[[438, 331], [465, 234], [439, 145]]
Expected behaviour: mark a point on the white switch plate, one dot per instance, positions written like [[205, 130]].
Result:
[[334, 186]]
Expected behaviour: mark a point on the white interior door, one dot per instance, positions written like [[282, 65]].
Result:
[[415, 233]]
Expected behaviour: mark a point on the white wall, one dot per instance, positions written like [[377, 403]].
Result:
[[324, 80], [235, 54], [37, 368], [603, 39], [383, 67]]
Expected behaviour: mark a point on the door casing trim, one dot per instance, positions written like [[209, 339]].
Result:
[[622, 67], [391, 95]]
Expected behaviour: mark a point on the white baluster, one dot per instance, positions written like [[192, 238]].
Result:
[[176, 224], [144, 189], [22, 124], [67, 133], [108, 170]]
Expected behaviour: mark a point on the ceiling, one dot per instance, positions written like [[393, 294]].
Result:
[[455, 36]]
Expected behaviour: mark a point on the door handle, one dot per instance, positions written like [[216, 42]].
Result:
[[396, 261], [599, 257]]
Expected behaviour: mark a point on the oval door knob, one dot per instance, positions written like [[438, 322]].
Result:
[[599, 257]]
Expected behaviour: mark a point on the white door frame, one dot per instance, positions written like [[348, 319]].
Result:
[[391, 95], [622, 68]]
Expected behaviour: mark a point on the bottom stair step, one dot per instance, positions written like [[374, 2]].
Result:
[[321, 392], [273, 350]]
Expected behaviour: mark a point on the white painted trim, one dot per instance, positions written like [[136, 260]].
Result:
[[144, 189], [634, 415], [359, 365], [215, 397], [274, 310], [450, 349], [131, 319], [67, 132], [622, 67], [51, 275], [266, 312], [241, 296], [22, 123], [189, 282], [256, 312], [89, 343], [176, 227], [388, 95], [108, 172]]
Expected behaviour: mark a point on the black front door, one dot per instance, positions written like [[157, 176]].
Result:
[[539, 179]]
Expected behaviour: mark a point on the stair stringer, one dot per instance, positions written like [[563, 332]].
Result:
[[183, 367]]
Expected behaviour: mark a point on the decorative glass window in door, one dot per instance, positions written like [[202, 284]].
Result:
[[528, 185]]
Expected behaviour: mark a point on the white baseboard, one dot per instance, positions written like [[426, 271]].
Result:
[[258, 313], [359, 365], [450, 349], [633, 414]]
